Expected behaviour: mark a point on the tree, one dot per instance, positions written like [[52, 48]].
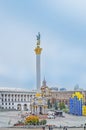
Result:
[[49, 104], [56, 105], [62, 105]]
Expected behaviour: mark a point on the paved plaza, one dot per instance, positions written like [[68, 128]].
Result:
[[68, 120], [7, 119], [40, 129]]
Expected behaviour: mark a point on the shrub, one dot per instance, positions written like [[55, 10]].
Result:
[[32, 120], [43, 122]]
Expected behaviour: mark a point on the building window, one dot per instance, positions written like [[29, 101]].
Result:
[[2, 100], [2, 103], [8, 99], [5, 99], [12, 103], [9, 95], [5, 103], [9, 103]]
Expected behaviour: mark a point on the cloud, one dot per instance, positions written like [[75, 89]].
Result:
[[72, 8]]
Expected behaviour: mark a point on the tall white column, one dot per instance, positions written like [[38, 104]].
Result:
[[38, 53], [38, 75]]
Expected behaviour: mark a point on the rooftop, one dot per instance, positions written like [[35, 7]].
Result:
[[15, 89]]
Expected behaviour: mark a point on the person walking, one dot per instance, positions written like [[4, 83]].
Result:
[[64, 128], [85, 127], [43, 128], [50, 128]]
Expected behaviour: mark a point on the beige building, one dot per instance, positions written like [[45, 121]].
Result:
[[59, 96], [64, 96]]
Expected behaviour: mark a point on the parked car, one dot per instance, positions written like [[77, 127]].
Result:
[[51, 117], [51, 113]]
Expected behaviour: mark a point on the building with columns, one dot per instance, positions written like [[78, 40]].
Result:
[[38, 104], [15, 99]]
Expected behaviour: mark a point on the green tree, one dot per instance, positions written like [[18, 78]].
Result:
[[49, 104], [62, 105], [56, 105]]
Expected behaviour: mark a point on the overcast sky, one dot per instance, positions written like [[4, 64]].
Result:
[[62, 24]]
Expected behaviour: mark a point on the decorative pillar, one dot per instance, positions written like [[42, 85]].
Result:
[[38, 52]]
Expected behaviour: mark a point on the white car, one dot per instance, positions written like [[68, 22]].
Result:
[[51, 117]]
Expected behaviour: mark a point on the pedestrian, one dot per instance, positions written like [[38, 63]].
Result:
[[64, 128], [9, 122], [43, 128], [49, 127], [85, 127]]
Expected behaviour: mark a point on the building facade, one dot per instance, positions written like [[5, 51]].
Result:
[[64, 96], [58, 96], [18, 99], [38, 104], [15, 99]]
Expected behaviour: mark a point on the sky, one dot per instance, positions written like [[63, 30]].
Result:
[[62, 25]]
